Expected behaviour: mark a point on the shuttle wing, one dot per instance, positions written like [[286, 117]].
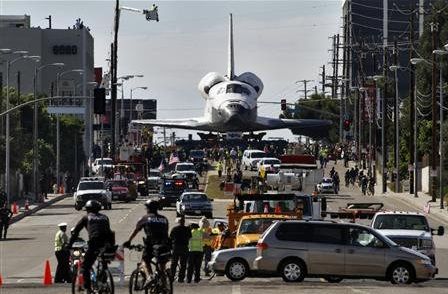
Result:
[[314, 128], [198, 123]]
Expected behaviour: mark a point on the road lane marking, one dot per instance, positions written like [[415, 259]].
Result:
[[126, 216], [236, 289]]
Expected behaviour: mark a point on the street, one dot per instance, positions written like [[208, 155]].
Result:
[[31, 243]]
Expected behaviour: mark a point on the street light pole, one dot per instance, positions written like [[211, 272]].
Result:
[[130, 103]]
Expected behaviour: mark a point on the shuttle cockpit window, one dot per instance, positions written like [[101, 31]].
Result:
[[235, 88]]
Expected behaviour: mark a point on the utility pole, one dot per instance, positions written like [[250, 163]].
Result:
[[397, 122], [336, 81], [305, 89], [384, 122], [411, 103], [434, 151], [114, 65], [18, 87], [323, 78]]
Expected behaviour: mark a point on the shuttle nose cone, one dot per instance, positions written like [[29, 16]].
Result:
[[235, 112]]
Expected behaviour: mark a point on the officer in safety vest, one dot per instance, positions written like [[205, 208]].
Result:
[[204, 224], [195, 254], [63, 273]]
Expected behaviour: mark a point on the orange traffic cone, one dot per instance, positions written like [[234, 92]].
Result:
[[15, 209], [1, 281], [48, 280]]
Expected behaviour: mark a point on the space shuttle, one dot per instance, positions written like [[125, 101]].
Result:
[[231, 106]]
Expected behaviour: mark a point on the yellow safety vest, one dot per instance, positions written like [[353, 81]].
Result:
[[60, 240], [196, 243]]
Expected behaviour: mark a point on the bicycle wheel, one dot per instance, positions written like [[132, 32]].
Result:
[[169, 282], [105, 282], [137, 281], [76, 286]]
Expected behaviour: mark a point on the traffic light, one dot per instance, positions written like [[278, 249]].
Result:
[[283, 104], [347, 123], [99, 101]]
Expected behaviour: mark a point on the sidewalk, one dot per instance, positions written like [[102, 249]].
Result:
[[421, 204], [34, 207]]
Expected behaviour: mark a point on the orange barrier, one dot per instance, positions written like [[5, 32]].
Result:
[[48, 280]]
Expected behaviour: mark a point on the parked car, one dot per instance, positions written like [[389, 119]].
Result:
[[154, 179], [326, 186], [299, 249], [408, 229], [102, 163], [251, 158], [235, 263], [194, 203], [92, 189]]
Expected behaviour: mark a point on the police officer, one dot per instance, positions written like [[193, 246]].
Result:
[[196, 246], [180, 236], [100, 235], [63, 274], [155, 227], [5, 217]]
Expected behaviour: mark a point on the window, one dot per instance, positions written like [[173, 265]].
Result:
[[328, 234], [257, 155], [195, 197], [401, 222], [362, 238], [293, 232], [91, 186], [238, 89]]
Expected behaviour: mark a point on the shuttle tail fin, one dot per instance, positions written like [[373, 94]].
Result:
[[231, 62]]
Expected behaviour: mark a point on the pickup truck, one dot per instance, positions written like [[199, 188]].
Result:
[[408, 229]]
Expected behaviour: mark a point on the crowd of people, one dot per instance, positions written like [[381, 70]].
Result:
[[365, 182]]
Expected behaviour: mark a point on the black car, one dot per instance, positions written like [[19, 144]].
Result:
[[170, 191], [194, 203]]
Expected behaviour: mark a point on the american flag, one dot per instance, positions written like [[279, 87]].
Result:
[[173, 159]]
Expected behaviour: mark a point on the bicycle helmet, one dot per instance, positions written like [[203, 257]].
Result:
[[93, 206], [152, 205]]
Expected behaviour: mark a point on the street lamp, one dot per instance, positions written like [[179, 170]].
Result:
[[9, 63], [123, 79], [130, 103], [441, 53], [35, 125]]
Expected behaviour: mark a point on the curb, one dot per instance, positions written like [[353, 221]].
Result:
[[18, 217], [433, 215]]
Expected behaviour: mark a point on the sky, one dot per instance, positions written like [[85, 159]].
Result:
[[280, 41]]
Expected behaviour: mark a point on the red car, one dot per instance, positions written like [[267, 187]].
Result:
[[120, 190]]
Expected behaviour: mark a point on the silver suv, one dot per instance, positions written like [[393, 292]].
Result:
[[298, 249]]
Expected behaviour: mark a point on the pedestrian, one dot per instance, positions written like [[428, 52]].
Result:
[[204, 224], [195, 255], [223, 240], [5, 217], [3, 197], [63, 273], [219, 168], [180, 236]]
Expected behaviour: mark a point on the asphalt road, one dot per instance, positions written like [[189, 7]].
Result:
[[22, 257]]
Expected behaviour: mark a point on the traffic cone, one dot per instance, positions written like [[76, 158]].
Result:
[[48, 280], [14, 209]]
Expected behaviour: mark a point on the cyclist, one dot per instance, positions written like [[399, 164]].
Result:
[[100, 236], [155, 227]]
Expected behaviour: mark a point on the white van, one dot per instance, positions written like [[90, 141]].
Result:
[[251, 158]]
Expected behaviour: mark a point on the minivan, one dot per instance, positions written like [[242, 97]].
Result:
[[333, 251], [251, 158]]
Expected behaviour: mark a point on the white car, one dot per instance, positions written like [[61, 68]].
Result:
[[251, 158], [154, 179], [270, 164], [326, 186], [102, 163], [92, 189], [408, 229]]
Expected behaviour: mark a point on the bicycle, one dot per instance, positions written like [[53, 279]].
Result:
[[162, 282], [101, 277]]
